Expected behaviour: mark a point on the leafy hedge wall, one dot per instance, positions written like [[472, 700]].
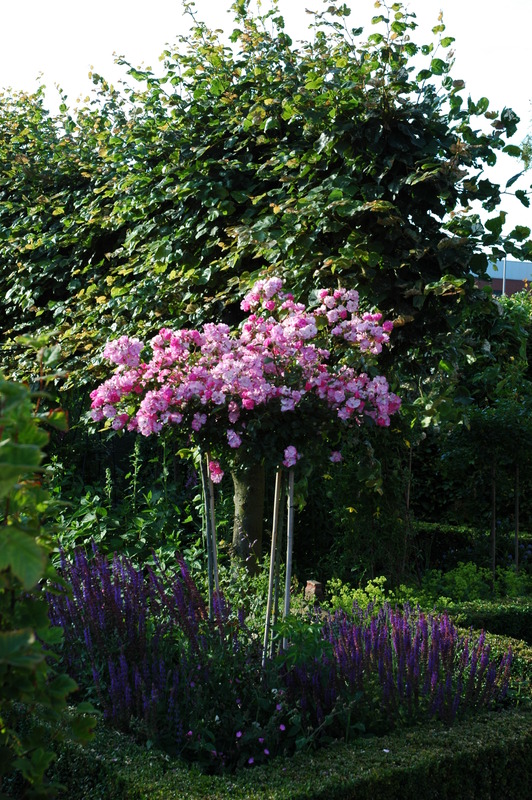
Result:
[[488, 757]]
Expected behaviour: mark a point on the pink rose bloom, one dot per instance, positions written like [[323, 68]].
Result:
[[124, 351], [234, 411], [215, 471], [291, 456], [119, 422], [198, 420], [233, 438]]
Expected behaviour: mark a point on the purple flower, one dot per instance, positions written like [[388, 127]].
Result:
[[291, 456]]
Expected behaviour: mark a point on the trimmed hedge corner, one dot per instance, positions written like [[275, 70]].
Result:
[[511, 618], [489, 756]]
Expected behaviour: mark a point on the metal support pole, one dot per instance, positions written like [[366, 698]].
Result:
[[275, 529], [289, 547]]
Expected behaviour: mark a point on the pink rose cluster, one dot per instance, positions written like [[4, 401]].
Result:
[[196, 378], [340, 308]]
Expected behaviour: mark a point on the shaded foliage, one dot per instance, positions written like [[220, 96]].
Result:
[[33, 694], [159, 201]]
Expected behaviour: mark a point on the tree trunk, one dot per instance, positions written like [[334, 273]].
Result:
[[249, 515]]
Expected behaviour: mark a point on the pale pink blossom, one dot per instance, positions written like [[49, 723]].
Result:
[[198, 420], [273, 358], [233, 439], [291, 456]]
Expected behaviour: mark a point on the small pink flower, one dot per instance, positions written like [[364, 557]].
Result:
[[233, 438], [198, 420], [291, 456], [336, 457], [119, 422], [215, 471]]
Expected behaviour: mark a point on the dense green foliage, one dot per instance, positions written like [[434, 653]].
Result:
[[350, 156], [490, 755], [30, 687]]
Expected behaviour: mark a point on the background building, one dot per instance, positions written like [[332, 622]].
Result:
[[509, 277]]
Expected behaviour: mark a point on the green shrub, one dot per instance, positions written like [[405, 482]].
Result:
[[511, 618], [489, 756], [31, 691]]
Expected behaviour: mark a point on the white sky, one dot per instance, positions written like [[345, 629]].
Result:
[[62, 39]]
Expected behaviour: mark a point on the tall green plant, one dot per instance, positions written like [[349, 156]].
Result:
[[33, 694]]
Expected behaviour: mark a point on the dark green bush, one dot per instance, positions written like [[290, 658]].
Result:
[[32, 691], [488, 757], [511, 618]]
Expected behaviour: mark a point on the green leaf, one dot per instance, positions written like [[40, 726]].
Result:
[[61, 686], [57, 419], [495, 224], [16, 649], [438, 66], [520, 232], [514, 178], [82, 726], [20, 552], [512, 150], [523, 197], [271, 124], [16, 460], [445, 367]]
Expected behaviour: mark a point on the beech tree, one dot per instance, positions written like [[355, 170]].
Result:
[[349, 157]]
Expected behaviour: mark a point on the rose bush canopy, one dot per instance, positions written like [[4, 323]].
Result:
[[286, 369]]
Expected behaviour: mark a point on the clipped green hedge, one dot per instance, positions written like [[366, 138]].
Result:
[[512, 618], [489, 756]]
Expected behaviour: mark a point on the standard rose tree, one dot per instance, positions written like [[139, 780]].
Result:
[[277, 389]]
